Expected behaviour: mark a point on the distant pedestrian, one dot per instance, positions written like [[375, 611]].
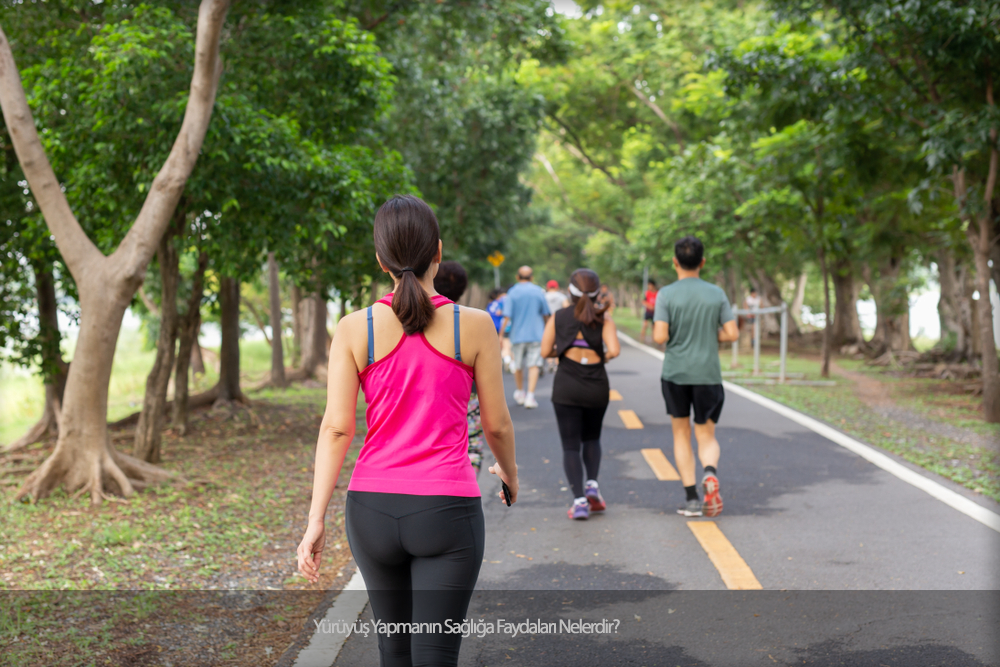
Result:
[[692, 317], [583, 339], [649, 301], [494, 307], [451, 281], [607, 300], [557, 301], [527, 310]]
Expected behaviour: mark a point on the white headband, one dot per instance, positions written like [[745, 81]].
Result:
[[575, 291]]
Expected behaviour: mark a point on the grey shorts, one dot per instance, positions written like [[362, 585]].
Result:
[[526, 355]]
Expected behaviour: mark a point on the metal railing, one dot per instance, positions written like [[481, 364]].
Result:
[[756, 312]]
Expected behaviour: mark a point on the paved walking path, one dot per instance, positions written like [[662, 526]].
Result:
[[825, 533]]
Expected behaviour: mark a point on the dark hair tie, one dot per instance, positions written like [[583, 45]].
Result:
[[402, 271]]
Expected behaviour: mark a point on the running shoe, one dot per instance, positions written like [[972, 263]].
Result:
[[713, 501], [530, 402], [519, 396], [691, 508], [580, 509], [593, 495]]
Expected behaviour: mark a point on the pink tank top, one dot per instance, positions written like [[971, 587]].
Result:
[[418, 433]]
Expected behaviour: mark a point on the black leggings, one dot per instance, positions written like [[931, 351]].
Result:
[[420, 557], [580, 428]]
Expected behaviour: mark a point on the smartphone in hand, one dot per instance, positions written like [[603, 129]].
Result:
[[506, 492]]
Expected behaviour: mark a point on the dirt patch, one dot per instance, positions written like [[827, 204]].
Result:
[[185, 574]]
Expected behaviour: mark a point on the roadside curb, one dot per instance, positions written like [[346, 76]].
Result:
[[932, 487], [314, 649]]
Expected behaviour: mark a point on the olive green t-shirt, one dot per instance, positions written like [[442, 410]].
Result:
[[695, 310]]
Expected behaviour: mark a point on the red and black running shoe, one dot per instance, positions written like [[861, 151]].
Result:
[[713, 501]]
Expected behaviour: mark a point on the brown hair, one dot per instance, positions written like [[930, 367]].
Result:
[[586, 310], [406, 240]]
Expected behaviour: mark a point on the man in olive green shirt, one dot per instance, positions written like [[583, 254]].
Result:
[[692, 317]]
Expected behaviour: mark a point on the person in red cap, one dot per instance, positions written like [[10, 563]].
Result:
[[557, 301]]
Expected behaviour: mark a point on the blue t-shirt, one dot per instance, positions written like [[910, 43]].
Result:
[[527, 308], [495, 309]]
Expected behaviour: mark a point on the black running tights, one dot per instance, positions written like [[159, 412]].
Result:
[[580, 431], [420, 557]]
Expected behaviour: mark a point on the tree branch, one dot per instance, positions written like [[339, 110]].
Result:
[[75, 247], [138, 246], [662, 116], [581, 153], [260, 320]]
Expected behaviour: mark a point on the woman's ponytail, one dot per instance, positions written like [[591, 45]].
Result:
[[406, 240], [411, 304]]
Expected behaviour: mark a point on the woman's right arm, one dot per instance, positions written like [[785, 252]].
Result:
[[497, 425], [611, 343], [335, 436]]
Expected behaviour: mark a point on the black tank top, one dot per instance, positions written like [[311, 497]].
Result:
[[581, 385], [567, 328]]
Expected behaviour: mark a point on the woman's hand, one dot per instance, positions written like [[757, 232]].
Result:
[[310, 550], [510, 480]]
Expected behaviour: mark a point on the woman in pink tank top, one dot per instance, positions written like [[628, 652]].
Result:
[[414, 516]]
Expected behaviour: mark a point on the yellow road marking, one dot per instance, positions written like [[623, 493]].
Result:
[[735, 572], [630, 419], [615, 396], [657, 460]]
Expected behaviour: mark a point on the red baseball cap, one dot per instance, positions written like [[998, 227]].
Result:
[[551, 284]]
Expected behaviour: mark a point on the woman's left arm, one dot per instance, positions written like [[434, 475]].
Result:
[[549, 339], [610, 335], [335, 436]]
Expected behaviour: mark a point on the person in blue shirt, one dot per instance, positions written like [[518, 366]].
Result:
[[526, 308], [495, 307]]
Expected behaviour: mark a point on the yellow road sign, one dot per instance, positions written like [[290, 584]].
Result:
[[496, 259]]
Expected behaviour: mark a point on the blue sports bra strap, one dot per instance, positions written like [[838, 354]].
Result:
[[458, 337], [371, 338]]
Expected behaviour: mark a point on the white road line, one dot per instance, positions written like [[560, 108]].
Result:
[[947, 496], [324, 647]]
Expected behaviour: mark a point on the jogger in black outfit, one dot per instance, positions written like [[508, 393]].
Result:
[[583, 339]]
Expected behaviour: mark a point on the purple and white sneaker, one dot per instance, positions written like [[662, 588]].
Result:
[[580, 509], [593, 495]]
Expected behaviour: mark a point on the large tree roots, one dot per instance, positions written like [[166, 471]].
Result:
[[104, 474]]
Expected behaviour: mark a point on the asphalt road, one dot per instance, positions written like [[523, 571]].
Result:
[[857, 566]]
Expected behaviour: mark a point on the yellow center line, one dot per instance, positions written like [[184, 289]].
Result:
[[630, 419], [615, 396], [736, 574], [657, 460]]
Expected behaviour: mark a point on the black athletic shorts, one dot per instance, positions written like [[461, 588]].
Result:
[[649, 315], [707, 400]]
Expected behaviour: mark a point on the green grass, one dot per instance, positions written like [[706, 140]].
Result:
[[22, 393], [976, 468]]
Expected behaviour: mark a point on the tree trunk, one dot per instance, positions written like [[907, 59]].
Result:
[[53, 368], [197, 356], [83, 458], [846, 324], [954, 307], [825, 370], [187, 346], [343, 308], [800, 296], [315, 334], [149, 430], [277, 353], [296, 324], [229, 354], [892, 303]]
